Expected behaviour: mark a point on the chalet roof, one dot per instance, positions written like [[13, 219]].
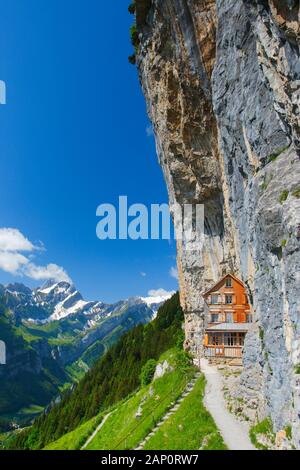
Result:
[[233, 327], [214, 287]]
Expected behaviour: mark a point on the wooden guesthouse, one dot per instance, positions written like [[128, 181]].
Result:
[[228, 318]]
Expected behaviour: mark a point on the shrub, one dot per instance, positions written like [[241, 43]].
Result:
[[132, 59], [297, 369], [275, 155], [288, 431], [132, 8], [265, 428], [180, 339], [183, 360], [5, 425], [261, 334], [264, 186], [296, 193], [134, 35], [148, 372]]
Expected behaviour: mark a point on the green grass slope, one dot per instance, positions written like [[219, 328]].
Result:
[[123, 430], [75, 440], [190, 428]]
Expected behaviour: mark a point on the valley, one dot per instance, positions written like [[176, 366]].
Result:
[[53, 337], [145, 393]]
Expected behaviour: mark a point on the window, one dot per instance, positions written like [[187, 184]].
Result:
[[241, 339], [215, 318], [229, 317], [230, 339], [214, 299], [229, 282], [228, 299], [215, 340], [234, 339]]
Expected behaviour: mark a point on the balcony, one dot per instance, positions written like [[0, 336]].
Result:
[[230, 352]]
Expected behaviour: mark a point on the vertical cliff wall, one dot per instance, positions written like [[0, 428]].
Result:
[[222, 84]]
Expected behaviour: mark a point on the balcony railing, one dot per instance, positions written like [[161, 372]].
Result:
[[224, 351]]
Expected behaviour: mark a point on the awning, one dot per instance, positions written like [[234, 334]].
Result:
[[230, 327]]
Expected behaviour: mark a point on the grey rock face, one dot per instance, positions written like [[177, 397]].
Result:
[[222, 85], [161, 370]]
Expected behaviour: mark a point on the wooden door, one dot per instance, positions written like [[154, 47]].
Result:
[[241, 317]]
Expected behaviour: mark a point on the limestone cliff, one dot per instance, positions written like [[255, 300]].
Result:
[[222, 84]]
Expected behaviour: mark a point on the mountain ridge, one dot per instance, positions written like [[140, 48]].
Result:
[[59, 300]]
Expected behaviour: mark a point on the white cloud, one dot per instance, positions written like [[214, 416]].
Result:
[[160, 293], [51, 271], [143, 274], [174, 272], [12, 260], [13, 240]]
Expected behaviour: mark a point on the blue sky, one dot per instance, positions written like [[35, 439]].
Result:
[[73, 136]]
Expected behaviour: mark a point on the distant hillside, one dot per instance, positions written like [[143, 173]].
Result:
[[112, 378], [31, 376]]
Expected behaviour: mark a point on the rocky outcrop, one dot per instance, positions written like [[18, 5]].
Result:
[[162, 369], [222, 84]]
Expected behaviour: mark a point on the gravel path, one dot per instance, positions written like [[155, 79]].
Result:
[[234, 433]]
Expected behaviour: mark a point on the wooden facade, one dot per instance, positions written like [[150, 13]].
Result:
[[228, 318]]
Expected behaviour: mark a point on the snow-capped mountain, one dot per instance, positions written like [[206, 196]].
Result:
[[56, 301], [53, 301], [154, 302], [65, 300]]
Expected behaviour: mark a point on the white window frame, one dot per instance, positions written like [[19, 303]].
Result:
[[232, 317], [215, 315], [211, 299]]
